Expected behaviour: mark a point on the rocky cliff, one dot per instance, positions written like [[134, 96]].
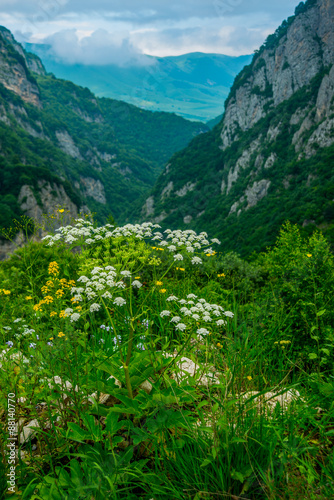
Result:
[[270, 158]]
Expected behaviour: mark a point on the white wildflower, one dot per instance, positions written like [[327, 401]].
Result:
[[172, 248], [75, 317], [178, 256], [196, 260], [180, 326], [107, 295], [191, 296], [220, 322], [171, 298], [175, 319], [94, 307], [229, 314], [119, 301], [164, 313], [202, 331], [127, 274], [137, 284]]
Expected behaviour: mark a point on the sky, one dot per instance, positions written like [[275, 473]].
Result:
[[123, 31]]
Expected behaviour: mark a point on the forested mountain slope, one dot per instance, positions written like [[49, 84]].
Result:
[[59, 144], [193, 85], [271, 156]]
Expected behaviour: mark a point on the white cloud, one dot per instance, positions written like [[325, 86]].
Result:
[[97, 48], [121, 31]]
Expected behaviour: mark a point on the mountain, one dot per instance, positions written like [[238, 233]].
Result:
[[194, 85], [271, 157], [59, 144]]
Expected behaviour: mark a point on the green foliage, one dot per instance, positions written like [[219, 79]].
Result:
[[102, 434], [301, 277]]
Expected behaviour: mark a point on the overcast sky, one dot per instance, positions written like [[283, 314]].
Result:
[[106, 31]]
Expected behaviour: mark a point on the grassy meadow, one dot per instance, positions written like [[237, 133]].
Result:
[[148, 365]]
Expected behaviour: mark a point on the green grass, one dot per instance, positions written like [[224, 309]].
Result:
[[179, 439]]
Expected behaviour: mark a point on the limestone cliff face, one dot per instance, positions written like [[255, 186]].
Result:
[[14, 69], [49, 197], [277, 73]]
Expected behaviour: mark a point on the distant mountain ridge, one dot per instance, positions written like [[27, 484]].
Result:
[[271, 156], [60, 145], [193, 85]]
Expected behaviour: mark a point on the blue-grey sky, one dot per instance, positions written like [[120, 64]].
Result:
[[107, 31]]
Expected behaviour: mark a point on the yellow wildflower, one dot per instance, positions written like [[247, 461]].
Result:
[[221, 275], [6, 292], [180, 268], [53, 268], [28, 298], [48, 299], [53, 313], [159, 283], [163, 290], [61, 334], [219, 344], [51, 338], [61, 210], [309, 255], [249, 377], [62, 314], [60, 292], [137, 277]]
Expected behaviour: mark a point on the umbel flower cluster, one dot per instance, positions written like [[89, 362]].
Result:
[[195, 311], [104, 283], [84, 233]]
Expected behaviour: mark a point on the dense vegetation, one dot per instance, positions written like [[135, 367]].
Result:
[[87, 342]]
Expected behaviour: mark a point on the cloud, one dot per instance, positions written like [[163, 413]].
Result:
[[122, 31], [97, 48]]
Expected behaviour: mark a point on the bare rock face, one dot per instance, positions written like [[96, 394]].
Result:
[[284, 70], [14, 73], [94, 188], [51, 195], [67, 145], [148, 208], [256, 192]]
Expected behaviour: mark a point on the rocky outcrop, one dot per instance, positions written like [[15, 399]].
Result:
[[277, 73], [93, 188], [14, 72], [67, 144], [51, 196], [37, 203]]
